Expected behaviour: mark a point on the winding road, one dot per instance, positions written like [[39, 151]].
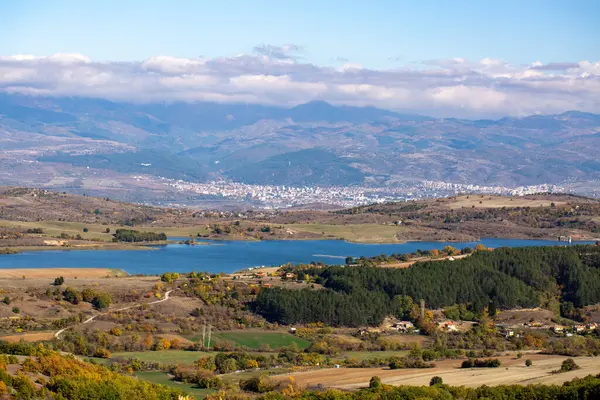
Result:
[[90, 319]]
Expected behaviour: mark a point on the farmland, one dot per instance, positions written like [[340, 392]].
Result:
[[512, 371], [254, 340], [164, 379]]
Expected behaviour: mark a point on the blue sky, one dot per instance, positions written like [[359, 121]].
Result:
[[376, 34], [456, 58]]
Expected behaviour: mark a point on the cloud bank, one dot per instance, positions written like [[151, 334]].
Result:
[[276, 75]]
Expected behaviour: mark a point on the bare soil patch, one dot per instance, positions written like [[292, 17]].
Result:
[[64, 272], [28, 337], [413, 261], [523, 316], [477, 201]]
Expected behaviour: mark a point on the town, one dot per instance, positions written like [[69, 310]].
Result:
[[269, 196]]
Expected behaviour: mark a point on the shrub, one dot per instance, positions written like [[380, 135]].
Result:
[[487, 363], [375, 383], [6, 300], [16, 310], [85, 230], [528, 363], [87, 295], [169, 277], [102, 353], [436, 380], [101, 301], [72, 295], [116, 331], [257, 384], [59, 281], [568, 365]]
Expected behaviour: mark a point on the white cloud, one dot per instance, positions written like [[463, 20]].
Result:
[[273, 75]]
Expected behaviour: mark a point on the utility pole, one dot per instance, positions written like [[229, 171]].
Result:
[[209, 332]]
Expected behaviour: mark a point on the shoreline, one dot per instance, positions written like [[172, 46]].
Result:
[[15, 250]]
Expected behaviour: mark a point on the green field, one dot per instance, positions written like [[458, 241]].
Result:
[[254, 340], [163, 379], [165, 356], [365, 355], [365, 233]]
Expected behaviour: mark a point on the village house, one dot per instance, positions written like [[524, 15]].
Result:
[[592, 326], [558, 328], [290, 275], [403, 326], [448, 326], [579, 328]]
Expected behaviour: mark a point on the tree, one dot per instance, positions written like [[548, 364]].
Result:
[[169, 277], [568, 365], [72, 295], [257, 384], [116, 331], [229, 365], [528, 363], [492, 309], [480, 247], [349, 260], [88, 295], [436, 380], [101, 301], [16, 310], [148, 341], [85, 230], [102, 353], [6, 300], [375, 383], [107, 230], [59, 281], [163, 344]]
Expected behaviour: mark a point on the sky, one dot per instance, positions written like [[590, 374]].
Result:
[[379, 52]]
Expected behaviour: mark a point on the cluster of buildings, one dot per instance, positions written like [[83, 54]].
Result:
[[577, 328], [283, 196]]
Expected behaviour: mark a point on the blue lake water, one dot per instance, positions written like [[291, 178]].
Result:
[[230, 256]]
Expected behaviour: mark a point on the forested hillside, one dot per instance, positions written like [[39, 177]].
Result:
[[503, 278]]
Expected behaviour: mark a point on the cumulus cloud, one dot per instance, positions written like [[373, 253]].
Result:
[[275, 75]]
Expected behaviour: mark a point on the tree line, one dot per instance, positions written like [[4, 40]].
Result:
[[501, 279], [133, 236]]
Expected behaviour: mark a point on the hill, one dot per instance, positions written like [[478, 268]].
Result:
[[24, 213], [59, 142]]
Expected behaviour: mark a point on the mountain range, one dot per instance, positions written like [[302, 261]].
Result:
[[56, 141]]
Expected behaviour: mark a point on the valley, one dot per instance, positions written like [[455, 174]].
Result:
[[178, 153]]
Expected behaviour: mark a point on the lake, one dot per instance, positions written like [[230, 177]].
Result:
[[231, 256]]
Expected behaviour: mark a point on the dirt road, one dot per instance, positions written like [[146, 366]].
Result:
[[90, 319]]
